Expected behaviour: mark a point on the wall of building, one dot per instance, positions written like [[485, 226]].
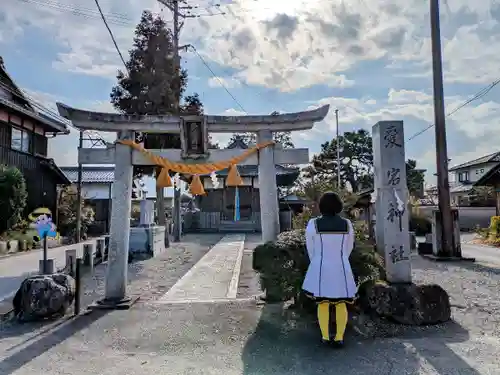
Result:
[[247, 181], [475, 172]]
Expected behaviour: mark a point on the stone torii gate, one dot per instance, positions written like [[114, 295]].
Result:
[[194, 132]]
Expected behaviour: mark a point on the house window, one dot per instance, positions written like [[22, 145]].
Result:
[[20, 140], [463, 176]]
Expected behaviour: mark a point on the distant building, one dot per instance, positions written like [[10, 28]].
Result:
[[217, 207], [97, 182], [464, 177]]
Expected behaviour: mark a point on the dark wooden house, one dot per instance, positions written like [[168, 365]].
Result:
[[24, 132], [217, 207]]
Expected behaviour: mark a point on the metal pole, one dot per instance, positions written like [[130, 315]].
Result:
[[45, 255], [338, 149], [79, 194], [447, 248], [78, 284]]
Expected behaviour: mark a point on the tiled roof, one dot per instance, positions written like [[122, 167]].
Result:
[[23, 104], [253, 171], [461, 188], [90, 174], [494, 157], [238, 142]]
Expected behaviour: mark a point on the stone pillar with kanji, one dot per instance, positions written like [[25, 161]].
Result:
[[392, 221]]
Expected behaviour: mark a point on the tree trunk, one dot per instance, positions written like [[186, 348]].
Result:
[[160, 206]]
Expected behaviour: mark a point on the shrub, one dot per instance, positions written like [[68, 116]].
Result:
[[13, 197], [420, 224], [282, 265], [68, 211], [300, 221]]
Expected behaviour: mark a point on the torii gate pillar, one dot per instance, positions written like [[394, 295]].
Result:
[[116, 271], [269, 206]]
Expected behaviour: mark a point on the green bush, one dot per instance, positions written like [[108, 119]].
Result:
[[282, 265], [419, 224], [13, 197], [67, 214]]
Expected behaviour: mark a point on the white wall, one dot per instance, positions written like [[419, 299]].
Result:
[[475, 172], [102, 190]]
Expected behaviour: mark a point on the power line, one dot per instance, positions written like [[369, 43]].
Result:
[[111, 34], [114, 18], [480, 94], [217, 78]]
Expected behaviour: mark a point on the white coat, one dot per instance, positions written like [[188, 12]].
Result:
[[329, 274]]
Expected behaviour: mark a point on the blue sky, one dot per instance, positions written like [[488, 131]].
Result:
[[372, 62]]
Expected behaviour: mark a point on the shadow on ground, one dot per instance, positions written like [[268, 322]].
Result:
[[286, 344], [146, 278], [44, 340]]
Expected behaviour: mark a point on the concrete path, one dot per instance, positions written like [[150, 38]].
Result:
[[214, 277], [15, 268], [487, 255]]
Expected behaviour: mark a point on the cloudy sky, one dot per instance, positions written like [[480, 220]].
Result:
[[369, 59]]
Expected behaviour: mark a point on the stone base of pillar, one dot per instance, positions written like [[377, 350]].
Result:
[[124, 303], [437, 253], [447, 259]]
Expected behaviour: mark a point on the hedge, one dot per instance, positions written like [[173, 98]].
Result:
[[282, 265]]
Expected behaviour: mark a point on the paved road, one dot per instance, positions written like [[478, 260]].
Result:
[[14, 269]]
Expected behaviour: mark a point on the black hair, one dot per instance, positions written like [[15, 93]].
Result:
[[330, 204]]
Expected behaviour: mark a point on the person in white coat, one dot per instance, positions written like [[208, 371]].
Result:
[[329, 279]]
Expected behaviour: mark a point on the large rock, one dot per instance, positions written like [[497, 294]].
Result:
[[44, 296], [409, 303]]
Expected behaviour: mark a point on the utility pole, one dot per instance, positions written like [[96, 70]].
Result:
[[339, 186], [173, 6], [177, 216], [447, 244]]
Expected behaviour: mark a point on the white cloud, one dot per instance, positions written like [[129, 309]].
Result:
[[292, 44], [227, 82]]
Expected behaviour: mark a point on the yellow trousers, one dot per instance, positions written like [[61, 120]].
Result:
[[341, 317]]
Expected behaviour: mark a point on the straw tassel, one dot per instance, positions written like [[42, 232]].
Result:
[[163, 180], [196, 187], [233, 177]]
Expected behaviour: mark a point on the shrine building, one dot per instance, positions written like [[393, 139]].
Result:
[[217, 208]]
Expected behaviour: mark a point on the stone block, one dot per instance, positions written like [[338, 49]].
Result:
[[49, 268], [146, 241], [71, 261], [392, 221], [89, 253], [42, 297], [100, 247], [409, 303], [437, 229]]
